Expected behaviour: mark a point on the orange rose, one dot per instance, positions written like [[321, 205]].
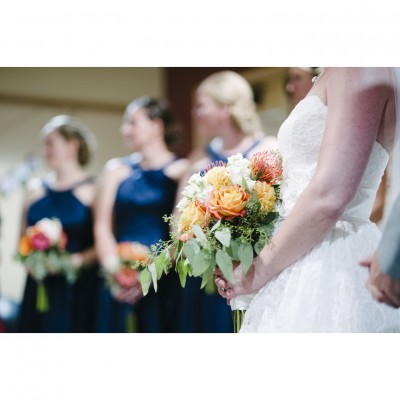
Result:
[[132, 251], [218, 177], [266, 195], [228, 202], [193, 214], [25, 246], [266, 166]]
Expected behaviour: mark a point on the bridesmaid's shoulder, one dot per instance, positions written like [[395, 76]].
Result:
[[34, 190], [266, 142], [177, 169]]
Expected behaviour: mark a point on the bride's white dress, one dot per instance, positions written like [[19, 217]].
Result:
[[324, 291]]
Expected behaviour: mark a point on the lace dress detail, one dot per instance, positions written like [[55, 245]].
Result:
[[324, 291]]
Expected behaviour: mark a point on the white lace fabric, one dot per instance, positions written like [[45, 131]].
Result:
[[324, 291]]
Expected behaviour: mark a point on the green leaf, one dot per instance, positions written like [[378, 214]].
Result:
[[244, 184], [245, 253], [232, 250], [225, 264], [196, 229], [178, 249], [208, 274], [201, 262], [216, 226], [182, 269], [190, 249], [153, 272], [145, 281], [224, 236], [160, 264]]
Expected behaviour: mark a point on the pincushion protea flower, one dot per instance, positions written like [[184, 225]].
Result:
[[266, 166]]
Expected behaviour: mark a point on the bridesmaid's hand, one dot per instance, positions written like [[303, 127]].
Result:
[[77, 260], [129, 295]]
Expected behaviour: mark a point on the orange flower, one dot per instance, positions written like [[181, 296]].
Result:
[[218, 177], [266, 195], [266, 166], [132, 251], [193, 214], [228, 202], [25, 246]]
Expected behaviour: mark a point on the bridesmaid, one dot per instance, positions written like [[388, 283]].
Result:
[[67, 193], [135, 193], [225, 112]]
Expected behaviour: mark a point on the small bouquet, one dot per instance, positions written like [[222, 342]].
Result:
[[227, 216], [128, 270], [131, 268], [42, 250]]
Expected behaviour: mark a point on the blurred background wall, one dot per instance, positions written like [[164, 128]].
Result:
[[29, 97]]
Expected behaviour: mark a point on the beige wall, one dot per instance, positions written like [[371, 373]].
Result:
[[29, 97]]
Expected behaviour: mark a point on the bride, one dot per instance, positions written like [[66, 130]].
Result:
[[335, 145]]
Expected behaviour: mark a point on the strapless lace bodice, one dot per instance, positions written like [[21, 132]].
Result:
[[300, 138]]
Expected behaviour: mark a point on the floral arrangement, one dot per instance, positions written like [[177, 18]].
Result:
[[42, 250], [132, 268], [226, 217]]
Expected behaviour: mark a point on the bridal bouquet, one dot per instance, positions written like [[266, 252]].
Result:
[[227, 216], [42, 250]]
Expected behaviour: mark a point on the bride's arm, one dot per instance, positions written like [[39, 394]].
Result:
[[356, 101]]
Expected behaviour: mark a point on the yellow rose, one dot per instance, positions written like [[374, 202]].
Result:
[[193, 214], [228, 202], [218, 177], [266, 195]]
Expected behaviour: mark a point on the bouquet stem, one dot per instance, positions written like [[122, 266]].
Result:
[[131, 322], [238, 316], [42, 301]]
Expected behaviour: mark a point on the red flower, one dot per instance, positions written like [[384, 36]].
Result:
[[40, 242]]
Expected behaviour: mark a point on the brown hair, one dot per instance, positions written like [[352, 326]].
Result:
[[157, 108], [71, 128]]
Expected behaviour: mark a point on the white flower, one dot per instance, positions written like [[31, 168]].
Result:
[[51, 228], [238, 168], [197, 189], [183, 203]]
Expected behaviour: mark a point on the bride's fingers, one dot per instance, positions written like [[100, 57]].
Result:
[[221, 292], [220, 282]]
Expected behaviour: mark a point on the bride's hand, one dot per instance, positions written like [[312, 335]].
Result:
[[243, 284]]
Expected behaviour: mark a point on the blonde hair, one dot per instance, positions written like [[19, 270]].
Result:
[[228, 88]]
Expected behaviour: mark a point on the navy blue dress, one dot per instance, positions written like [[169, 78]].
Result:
[[71, 306], [141, 201], [204, 311]]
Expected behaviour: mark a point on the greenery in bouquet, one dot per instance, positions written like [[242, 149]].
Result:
[[226, 217], [43, 251]]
